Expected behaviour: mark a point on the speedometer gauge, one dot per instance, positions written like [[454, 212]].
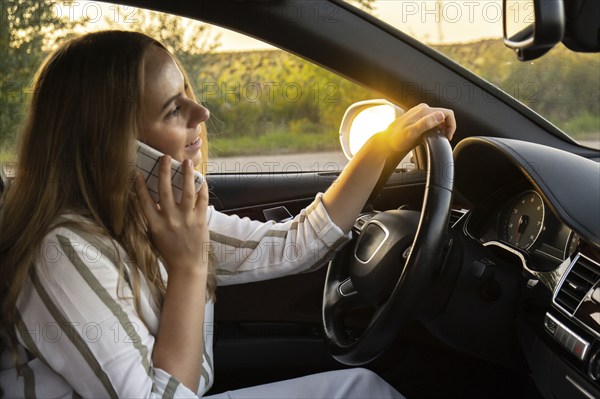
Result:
[[525, 220]]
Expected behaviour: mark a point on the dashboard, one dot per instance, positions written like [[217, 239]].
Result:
[[533, 225]]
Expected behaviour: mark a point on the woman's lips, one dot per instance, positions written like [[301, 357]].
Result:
[[194, 145]]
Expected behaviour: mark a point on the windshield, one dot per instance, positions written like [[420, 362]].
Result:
[[562, 86]]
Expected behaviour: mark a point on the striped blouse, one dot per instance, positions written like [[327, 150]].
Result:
[[80, 335]]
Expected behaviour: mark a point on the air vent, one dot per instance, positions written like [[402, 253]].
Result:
[[455, 216], [579, 280]]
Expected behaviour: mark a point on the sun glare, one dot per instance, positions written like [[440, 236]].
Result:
[[368, 122]]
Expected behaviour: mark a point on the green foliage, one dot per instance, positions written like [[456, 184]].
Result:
[[273, 142], [27, 29], [263, 101], [263, 93], [366, 5], [585, 125], [254, 94], [562, 86], [304, 126], [190, 40]]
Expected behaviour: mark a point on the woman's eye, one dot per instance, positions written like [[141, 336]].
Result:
[[174, 111]]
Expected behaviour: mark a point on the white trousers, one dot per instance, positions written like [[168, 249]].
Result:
[[357, 383]]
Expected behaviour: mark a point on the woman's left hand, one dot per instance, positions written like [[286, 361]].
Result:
[[345, 199], [405, 132]]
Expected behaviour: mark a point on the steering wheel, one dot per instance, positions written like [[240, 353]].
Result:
[[390, 265]]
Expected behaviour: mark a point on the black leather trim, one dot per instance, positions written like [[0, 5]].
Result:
[[569, 183]]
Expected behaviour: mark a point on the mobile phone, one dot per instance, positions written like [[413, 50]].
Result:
[[148, 163]]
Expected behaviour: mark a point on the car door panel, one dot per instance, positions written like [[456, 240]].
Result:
[[275, 324], [249, 194], [239, 193]]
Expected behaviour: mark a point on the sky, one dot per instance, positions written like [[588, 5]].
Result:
[[431, 21], [449, 21]]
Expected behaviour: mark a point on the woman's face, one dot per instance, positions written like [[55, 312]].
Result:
[[172, 122]]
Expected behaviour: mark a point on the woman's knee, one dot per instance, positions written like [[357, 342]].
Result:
[[374, 383], [364, 374]]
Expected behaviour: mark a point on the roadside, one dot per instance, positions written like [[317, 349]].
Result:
[[313, 162], [287, 163]]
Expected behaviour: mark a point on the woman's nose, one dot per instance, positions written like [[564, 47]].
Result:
[[199, 114]]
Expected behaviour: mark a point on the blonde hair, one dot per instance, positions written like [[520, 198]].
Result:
[[77, 154]]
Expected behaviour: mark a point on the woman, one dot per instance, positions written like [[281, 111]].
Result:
[[85, 252]]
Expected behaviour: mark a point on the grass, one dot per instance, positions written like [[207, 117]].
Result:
[[590, 136], [272, 143], [585, 126], [284, 142]]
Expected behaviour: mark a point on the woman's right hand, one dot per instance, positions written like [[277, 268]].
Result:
[[179, 231]]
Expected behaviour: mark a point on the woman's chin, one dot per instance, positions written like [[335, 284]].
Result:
[[197, 160]]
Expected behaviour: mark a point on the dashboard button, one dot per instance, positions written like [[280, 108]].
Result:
[[570, 341], [550, 325], [567, 338], [579, 349], [560, 335]]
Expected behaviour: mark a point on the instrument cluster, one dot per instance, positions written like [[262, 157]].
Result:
[[519, 219]]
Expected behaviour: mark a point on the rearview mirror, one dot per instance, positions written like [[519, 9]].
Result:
[[533, 27]]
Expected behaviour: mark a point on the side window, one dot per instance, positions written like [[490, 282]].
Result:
[[273, 111], [270, 110]]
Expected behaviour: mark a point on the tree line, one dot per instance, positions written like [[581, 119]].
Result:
[[263, 97]]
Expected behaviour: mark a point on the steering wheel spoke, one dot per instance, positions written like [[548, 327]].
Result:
[[342, 297], [346, 289]]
